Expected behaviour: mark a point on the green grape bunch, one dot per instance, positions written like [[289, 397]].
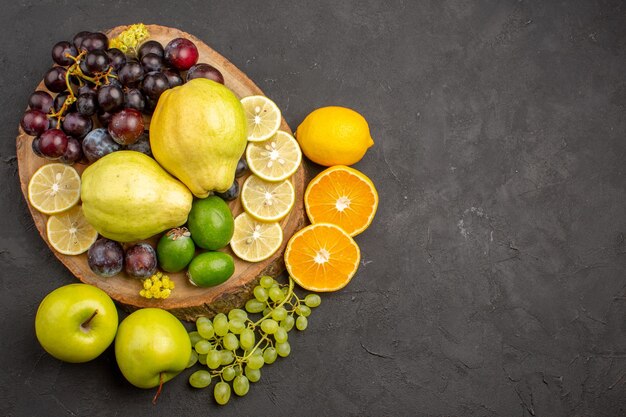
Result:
[[232, 349]]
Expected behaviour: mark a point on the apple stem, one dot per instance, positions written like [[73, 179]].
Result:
[[156, 396], [85, 324]]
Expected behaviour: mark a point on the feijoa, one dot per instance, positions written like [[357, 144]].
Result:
[[175, 250], [211, 223], [210, 268]]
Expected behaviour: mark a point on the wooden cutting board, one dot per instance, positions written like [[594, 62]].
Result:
[[187, 302]]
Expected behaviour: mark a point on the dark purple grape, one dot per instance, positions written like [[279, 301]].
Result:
[[99, 143], [231, 194], [150, 47], [106, 257], [59, 101], [205, 71], [54, 79], [87, 104], [77, 125], [114, 81], [35, 147], [173, 77], [84, 69], [78, 39], [126, 126], [117, 58], [131, 74], [53, 143], [110, 98], [181, 53], [140, 260], [150, 105], [104, 118], [242, 167], [134, 99], [154, 84], [54, 123], [151, 62], [40, 100], [34, 122], [59, 52], [97, 61], [87, 89], [94, 41], [141, 145], [73, 153]]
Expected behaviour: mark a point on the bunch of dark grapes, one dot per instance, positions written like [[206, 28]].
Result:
[[97, 97]]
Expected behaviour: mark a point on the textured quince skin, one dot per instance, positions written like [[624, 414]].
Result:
[[127, 196], [198, 133]]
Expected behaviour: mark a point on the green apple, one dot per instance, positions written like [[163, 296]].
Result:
[[76, 322], [151, 347]]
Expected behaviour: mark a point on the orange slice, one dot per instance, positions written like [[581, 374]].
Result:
[[343, 196], [322, 257]]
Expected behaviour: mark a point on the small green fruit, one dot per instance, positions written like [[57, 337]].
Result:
[[211, 223], [175, 250], [210, 268]]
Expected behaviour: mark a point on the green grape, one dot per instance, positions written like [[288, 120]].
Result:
[[202, 359], [193, 358], [238, 370], [269, 326], [247, 339], [256, 361], [205, 327], [213, 359], [220, 324], [279, 313], [267, 312], [254, 306], [269, 355], [281, 335], [285, 290], [266, 281], [194, 337], [236, 326], [200, 379], [226, 357], [253, 374], [260, 294], [258, 352], [230, 342], [241, 385], [283, 349], [203, 347], [303, 310], [237, 314], [312, 300], [302, 323], [228, 373], [276, 294], [221, 392], [288, 323]]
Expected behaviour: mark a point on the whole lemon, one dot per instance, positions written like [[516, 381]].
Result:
[[334, 135]]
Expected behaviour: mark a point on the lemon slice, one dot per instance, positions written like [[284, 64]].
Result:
[[275, 159], [69, 233], [255, 241], [54, 188], [263, 116], [267, 201]]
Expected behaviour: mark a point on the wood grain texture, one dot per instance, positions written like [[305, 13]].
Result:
[[187, 301]]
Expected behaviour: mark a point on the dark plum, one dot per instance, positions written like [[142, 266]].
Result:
[[231, 194], [54, 79], [99, 143], [140, 260], [40, 100], [87, 104], [205, 71], [174, 78], [59, 52], [34, 122], [134, 99], [110, 98], [154, 84], [106, 257], [53, 143], [73, 153], [97, 61], [131, 74], [150, 47], [181, 53], [126, 126], [77, 125], [141, 145], [117, 58], [151, 62], [242, 167], [78, 38], [35, 147], [94, 41]]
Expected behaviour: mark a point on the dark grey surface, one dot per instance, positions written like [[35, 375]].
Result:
[[493, 278]]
